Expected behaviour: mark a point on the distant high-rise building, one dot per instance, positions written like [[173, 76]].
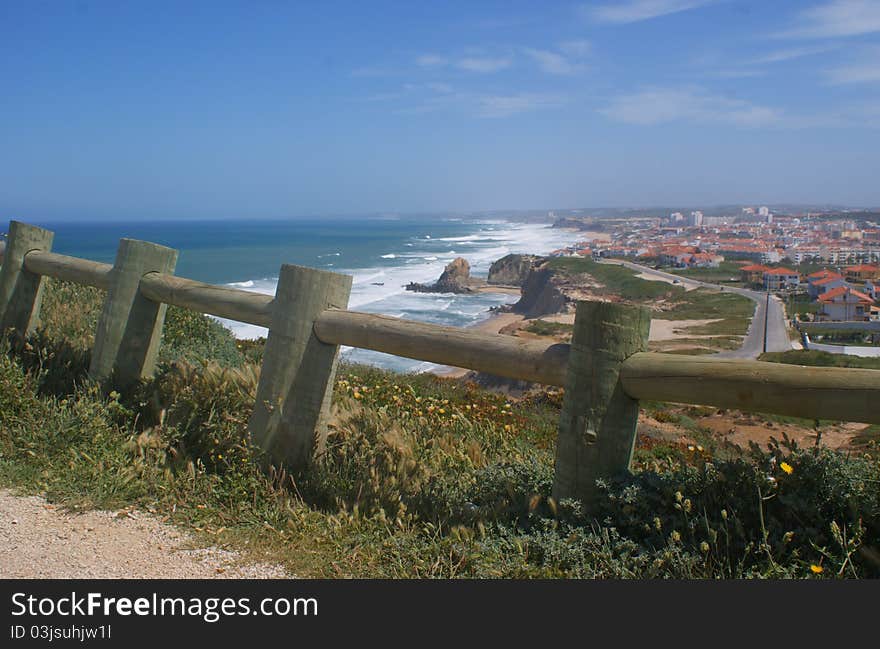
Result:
[[764, 211], [696, 219], [676, 217]]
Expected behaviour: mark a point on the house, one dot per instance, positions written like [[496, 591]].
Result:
[[778, 279], [753, 274], [823, 280], [705, 260], [844, 304], [677, 256], [862, 272]]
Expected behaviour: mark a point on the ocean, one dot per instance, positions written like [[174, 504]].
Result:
[[382, 255]]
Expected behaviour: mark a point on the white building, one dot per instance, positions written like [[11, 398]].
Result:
[[844, 304]]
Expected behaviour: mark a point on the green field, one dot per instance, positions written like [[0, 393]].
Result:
[[820, 359], [616, 279], [727, 273]]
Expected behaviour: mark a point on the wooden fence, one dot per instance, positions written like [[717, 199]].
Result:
[[605, 371]]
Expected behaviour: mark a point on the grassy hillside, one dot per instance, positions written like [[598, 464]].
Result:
[[820, 359], [422, 477], [616, 280]]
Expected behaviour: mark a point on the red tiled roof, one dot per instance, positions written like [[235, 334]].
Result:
[[824, 273], [754, 268], [829, 296], [780, 271], [828, 280]]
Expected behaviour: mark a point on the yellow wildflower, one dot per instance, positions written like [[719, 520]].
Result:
[[785, 466], [817, 570]]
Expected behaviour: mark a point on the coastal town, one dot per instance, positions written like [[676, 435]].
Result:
[[826, 265]]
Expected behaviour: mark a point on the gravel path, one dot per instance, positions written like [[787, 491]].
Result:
[[39, 540]]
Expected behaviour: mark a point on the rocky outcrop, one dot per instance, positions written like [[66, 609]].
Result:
[[542, 293], [512, 270], [456, 278]]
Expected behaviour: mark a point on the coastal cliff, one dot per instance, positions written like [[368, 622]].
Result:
[[542, 293], [512, 270]]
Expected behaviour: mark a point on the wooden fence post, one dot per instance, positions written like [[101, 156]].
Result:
[[297, 375], [21, 290], [130, 327], [597, 427]]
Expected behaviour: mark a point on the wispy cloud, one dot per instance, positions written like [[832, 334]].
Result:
[[837, 18], [484, 65], [431, 61], [577, 49], [663, 105], [480, 64], [371, 71], [433, 97], [791, 54], [865, 70], [631, 11], [495, 106], [554, 63]]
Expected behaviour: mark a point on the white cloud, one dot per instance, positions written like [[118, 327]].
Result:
[[495, 106], [632, 11], [554, 63], [431, 61], [476, 64], [781, 56], [436, 86], [862, 72], [855, 74], [663, 105], [836, 19], [578, 49]]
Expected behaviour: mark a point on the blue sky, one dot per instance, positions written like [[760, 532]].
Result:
[[273, 109]]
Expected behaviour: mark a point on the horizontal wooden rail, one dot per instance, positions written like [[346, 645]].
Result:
[[220, 301], [71, 269], [811, 392], [493, 353]]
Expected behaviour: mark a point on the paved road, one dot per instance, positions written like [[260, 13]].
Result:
[[753, 345]]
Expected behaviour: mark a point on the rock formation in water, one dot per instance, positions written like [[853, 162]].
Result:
[[456, 278]]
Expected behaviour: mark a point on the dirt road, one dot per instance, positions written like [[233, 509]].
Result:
[[40, 540]]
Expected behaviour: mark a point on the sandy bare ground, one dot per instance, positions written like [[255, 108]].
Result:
[[676, 329], [39, 540], [660, 329]]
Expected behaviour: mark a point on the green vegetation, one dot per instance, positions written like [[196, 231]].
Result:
[[727, 273], [801, 304], [421, 477], [616, 280], [545, 328], [733, 312], [820, 359]]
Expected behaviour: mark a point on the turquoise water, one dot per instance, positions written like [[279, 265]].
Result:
[[381, 254]]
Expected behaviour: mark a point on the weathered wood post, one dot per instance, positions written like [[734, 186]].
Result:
[[20, 290], [130, 327], [298, 371], [597, 427]]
